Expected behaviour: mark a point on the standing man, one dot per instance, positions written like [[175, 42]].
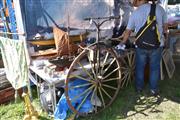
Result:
[[143, 55]]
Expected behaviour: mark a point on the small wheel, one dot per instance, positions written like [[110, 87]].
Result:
[[127, 67], [93, 80]]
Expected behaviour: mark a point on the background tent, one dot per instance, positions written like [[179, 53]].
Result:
[[43, 14]]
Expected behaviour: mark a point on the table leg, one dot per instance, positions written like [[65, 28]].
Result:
[[37, 86]]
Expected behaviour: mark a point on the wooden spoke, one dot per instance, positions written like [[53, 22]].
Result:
[[111, 79], [104, 62], [106, 93], [124, 68], [101, 96], [96, 102], [127, 80], [92, 97], [124, 71], [96, 63], [124, 62], [109, 65], [84, 99], [85, 70], [124, 79], [111, 73], [129, 58], [108, 86], [133, 60], [80, 77], [76, 97], [79, 86], [92, 67]]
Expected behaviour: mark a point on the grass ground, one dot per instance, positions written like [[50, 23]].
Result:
[[130, 106], [127, 106]]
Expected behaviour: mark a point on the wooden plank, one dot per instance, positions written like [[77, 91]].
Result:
[[169, 63], [7, 95]]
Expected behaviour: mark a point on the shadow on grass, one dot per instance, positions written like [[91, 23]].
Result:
[[43, 118], [129, 104]]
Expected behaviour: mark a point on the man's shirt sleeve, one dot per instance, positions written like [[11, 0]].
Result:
[[131, 22], [164, 15]]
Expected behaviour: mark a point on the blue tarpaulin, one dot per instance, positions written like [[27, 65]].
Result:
[[62, 106]]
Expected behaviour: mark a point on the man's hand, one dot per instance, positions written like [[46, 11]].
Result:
[[166, 40], [120, 46], [126, 35], [165, 31]]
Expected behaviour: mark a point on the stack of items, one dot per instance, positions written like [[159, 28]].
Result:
[[54, 71], [6, 90]]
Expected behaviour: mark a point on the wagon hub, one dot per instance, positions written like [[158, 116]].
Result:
[[99, 79]]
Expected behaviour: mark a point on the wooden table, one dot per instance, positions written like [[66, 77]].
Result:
[[52, 81]]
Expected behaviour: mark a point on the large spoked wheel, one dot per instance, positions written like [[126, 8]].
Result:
[[127, 67], [93, 80]]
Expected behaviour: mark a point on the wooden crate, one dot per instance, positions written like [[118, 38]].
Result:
[[4, 83], [6, 95], [1, 64]]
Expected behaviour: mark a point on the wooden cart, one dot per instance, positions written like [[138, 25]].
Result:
[[101, 72]]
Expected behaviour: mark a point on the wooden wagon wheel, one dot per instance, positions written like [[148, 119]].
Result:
[[127, 67], [94, 78]]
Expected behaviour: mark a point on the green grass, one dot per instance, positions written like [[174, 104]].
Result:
[[130, 106], [16, 111], [11, 111], [127, 106]]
